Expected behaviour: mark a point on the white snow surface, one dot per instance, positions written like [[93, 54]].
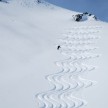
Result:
[[29, 36]]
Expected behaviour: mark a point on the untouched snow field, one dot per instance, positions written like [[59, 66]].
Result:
[[29, 36]]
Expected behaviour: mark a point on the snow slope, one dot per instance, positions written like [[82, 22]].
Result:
[[29, 36]]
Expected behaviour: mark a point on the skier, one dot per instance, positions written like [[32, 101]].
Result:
[[58, 47]]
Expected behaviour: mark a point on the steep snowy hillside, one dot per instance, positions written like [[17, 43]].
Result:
[[30, 61]]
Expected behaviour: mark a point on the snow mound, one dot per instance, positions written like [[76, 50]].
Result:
[[84, 16]]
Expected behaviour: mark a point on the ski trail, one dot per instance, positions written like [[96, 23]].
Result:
[[78, 44]]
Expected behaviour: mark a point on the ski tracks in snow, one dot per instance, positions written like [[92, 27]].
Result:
[[78, 44]]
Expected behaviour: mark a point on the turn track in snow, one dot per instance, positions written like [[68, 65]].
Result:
[[78, 44]]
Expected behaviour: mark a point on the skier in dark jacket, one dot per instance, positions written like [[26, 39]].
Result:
[[58, 47]]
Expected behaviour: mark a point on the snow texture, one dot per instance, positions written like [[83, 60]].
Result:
[[34, 74]]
